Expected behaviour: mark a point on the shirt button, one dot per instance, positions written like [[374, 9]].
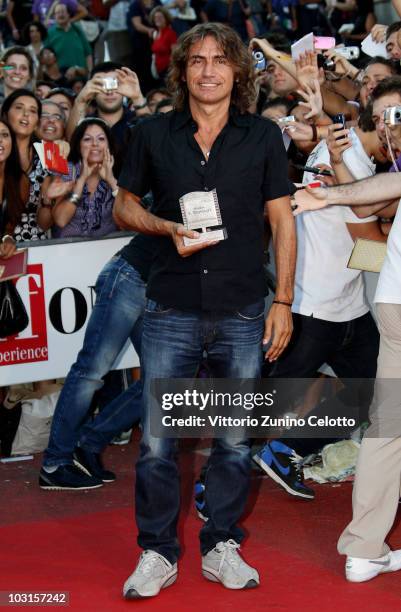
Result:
[[203, 162], [206, 188], [205, 271]]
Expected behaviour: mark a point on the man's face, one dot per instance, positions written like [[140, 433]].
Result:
[[108, 101], [372, 76], [208, 74], [379, 106], [61, 15], [279, 80], [392, 46], [51, 123]]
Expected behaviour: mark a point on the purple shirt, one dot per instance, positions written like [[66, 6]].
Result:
[[94, 213], [41, 8]]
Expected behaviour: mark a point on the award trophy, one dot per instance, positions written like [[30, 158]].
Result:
[[201, 212]]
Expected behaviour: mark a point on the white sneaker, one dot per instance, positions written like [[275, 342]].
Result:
[[224, 564], [360, 570], [152, 574]]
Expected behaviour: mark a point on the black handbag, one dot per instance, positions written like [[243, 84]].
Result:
[[13, 316]]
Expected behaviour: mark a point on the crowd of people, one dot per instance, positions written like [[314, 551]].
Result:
[[155, 108]]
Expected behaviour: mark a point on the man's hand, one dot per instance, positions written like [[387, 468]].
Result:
[[278, 329], [378, 33], [178, 232], [309, 199], [128, 85], [90, 90]]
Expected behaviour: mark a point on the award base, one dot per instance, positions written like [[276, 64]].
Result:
[[212, 236]]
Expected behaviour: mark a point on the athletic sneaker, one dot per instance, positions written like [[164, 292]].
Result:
[[91, 464], [360, 570], [224, 564], [281, 463], [200, 502], [69, 478], [152, 574]]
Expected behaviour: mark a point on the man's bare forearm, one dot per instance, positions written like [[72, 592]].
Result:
[[375, 189], [285, 252], [129, 214]]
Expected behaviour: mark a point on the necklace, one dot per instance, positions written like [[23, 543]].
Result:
[[204, 147]]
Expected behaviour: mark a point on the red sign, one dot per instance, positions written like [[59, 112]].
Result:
[[31, 344]]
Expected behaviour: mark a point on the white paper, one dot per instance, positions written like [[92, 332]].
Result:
[[303, 44], [372, 48]]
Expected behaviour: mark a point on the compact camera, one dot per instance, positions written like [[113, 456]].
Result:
[[259, 61], [350, 53], [110, 83], [325, 63], [392, 115], [288, 119]]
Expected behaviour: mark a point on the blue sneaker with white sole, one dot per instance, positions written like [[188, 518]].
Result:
[[281, 463]]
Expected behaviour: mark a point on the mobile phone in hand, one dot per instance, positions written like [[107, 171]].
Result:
[[340, 118]]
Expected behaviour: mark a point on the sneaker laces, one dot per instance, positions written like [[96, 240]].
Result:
[[229, 550], [296, 462], [148, 560]]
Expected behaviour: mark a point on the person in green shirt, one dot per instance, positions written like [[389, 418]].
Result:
[[73, 51]]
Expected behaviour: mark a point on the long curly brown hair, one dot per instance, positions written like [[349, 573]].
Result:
[[244, 91]]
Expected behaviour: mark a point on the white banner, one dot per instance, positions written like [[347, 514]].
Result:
[[58, 293]]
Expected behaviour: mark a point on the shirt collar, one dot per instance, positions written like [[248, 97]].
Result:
[[181, 118]]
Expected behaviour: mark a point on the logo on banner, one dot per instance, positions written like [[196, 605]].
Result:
[[31, 344]]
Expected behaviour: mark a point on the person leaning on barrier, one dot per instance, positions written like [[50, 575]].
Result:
[[377, 480]]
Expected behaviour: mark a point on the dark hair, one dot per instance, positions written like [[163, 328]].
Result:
[[152, 92], [365, 121], [25, 31], [162, 104], [18, 93], [47, 83], [68, 93], [383, 61], [13, 179], [164, 11], [47, 48], [394, 27], [279, 41], [386, 86], [244, 90], [105, 67], [77, 135], [20, 51], [278, 101]]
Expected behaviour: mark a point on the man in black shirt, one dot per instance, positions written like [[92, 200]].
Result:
[[206, 296]]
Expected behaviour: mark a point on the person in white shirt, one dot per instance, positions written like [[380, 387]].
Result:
[[332, 320], [378, 473]]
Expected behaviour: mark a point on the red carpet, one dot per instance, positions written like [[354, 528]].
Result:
[[84, 543]]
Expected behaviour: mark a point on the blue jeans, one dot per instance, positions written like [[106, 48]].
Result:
[[173, 344], [116, 316]]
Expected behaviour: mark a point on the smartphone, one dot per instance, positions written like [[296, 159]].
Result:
[[340, 118]]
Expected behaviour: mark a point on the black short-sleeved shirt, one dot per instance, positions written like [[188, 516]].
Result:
[[247, 166]]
